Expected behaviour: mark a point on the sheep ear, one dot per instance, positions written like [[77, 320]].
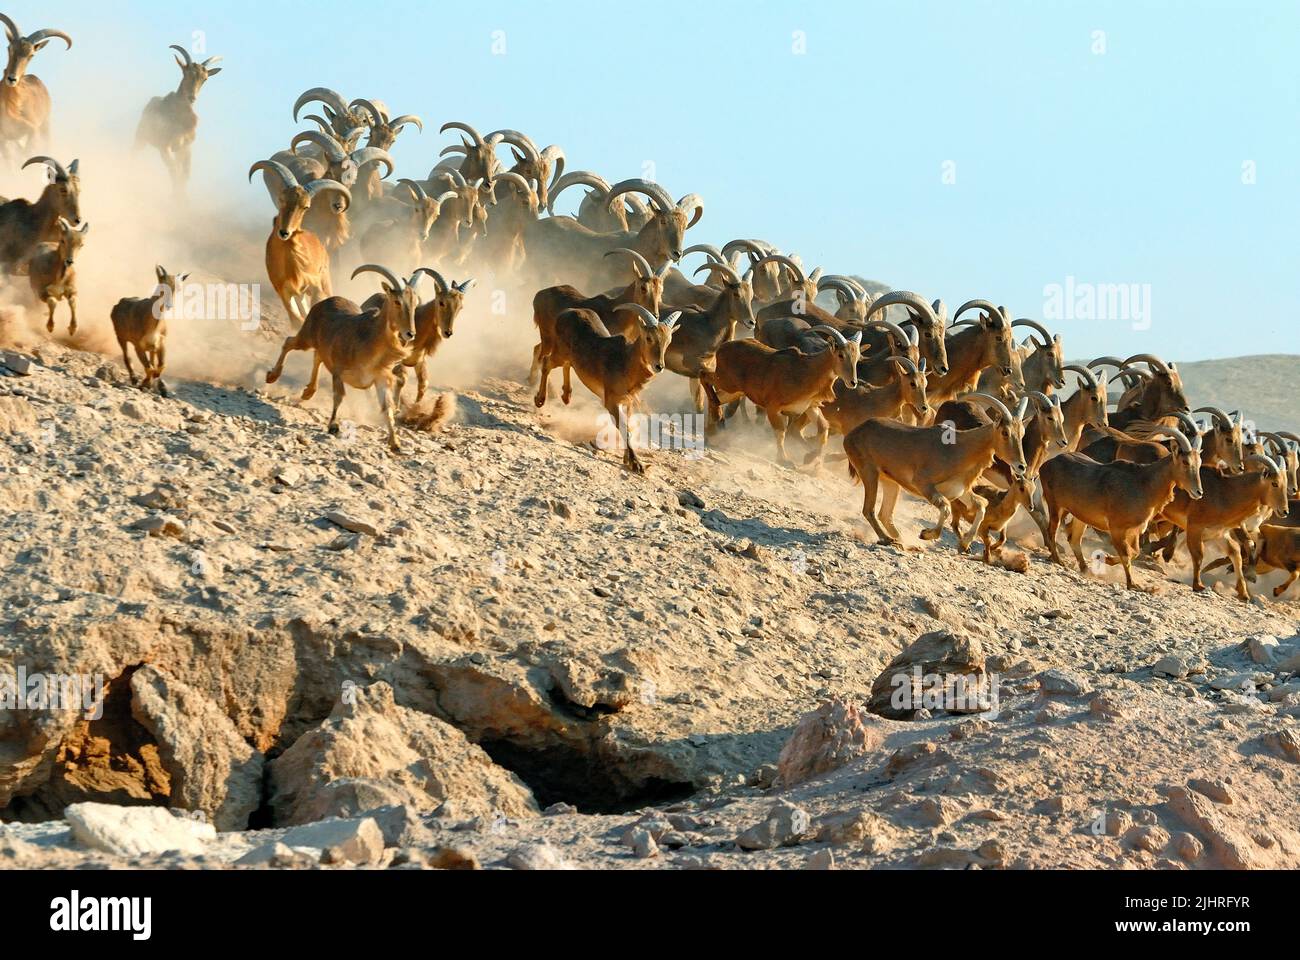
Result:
[[162, 274], [179, 63], [213, 71]]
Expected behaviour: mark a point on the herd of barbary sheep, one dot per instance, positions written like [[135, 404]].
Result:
[[954, 411]]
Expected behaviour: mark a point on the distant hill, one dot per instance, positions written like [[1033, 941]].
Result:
[[1265, 388]]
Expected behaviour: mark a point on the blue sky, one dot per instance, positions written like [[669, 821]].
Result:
[[1115, 167]]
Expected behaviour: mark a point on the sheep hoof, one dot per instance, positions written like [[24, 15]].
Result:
[[332, 429]]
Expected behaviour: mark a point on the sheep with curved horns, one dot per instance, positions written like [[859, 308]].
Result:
[[332, 162], [435, 321], [24, 100], [341, 116], [359, 346], [556, 243], [170, 123], [594, 211], [402, 237], [25, 224], [52, 275], [297, 262]]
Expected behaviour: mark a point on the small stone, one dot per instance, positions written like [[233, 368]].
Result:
[[785, 825], [340, 841], [643, 844], [1152, 839], [536, 856], [1061, 683], [1174, 667], [279, 855], [1187, 847], [1262, 648], [821, 860], [160, 525], [1285, 743], [452, 858], [689, 498], [1216, 790], [16, 363], [351, 523]]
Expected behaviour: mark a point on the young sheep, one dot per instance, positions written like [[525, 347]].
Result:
[[142, 322], [434, 321], [51, 272], [359, 346]]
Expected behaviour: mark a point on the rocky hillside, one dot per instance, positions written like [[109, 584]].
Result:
[[1265, 388], [498, 649]]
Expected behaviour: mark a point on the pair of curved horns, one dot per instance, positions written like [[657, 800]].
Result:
[[37, 37]]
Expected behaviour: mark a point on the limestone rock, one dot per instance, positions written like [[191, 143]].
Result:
[[136, 831], [536, 856], [785, 825], [408, 757], [826, 739], [340, 841], [210, 765], [957, 659]]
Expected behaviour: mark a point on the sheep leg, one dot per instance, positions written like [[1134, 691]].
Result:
[[1074, 533], [1196, 547], [1281, 588], [816, 454], [870, 477], [143, 356], [567, 393], [543, 386], [697, 394], [310, 390], [630, 461], [72, 306], [889, 500], [399, 378], [777, 420], [1126, 544], [338, 384], [160, 360], [537, 361], [127, 360], [49, 323], [421, 379], [1234, 551], [290, 306], [981, 505], [940, 503], [382, 390], [714, 418], [1049, 535], [290, 344]]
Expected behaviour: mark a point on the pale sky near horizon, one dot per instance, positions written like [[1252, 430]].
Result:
[[960, 149]]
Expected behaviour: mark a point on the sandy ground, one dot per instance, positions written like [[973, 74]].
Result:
[[687, 619]]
